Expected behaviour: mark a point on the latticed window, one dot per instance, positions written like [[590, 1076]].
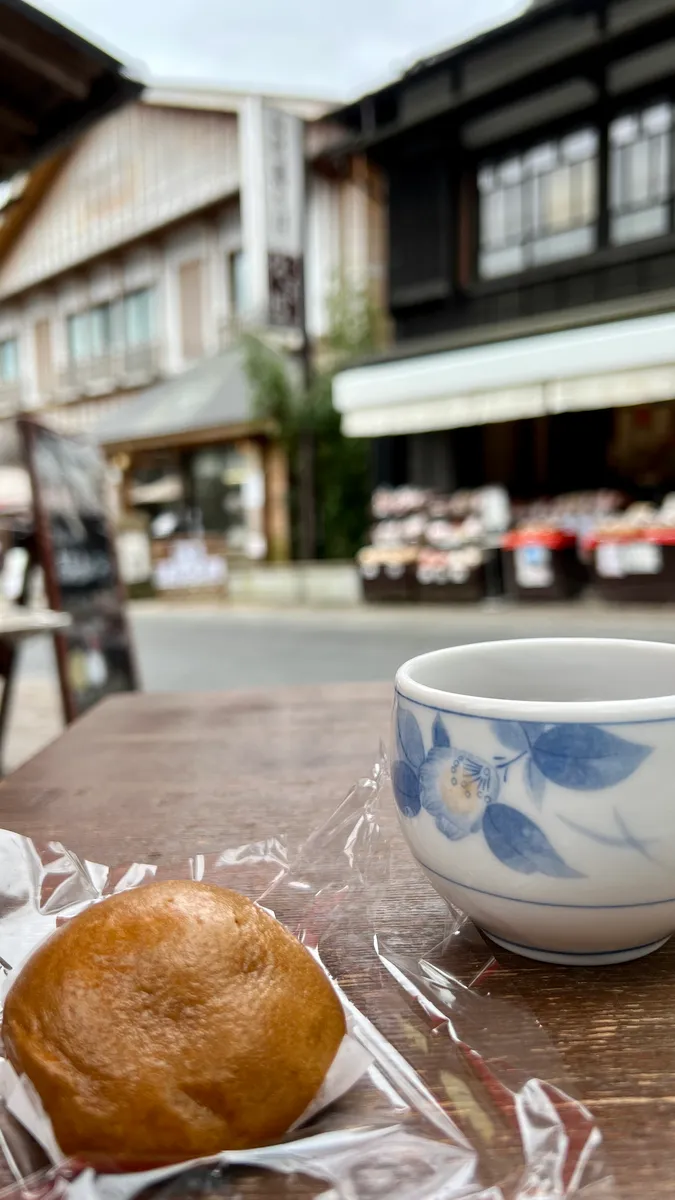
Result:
[[641, 174], [540, 206]]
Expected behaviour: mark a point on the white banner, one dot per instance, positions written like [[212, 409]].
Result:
[[283, 136]]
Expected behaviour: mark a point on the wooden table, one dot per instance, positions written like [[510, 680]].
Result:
[[156, 778], [17, 623]]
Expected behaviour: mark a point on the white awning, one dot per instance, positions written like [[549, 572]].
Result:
[[599, 366]]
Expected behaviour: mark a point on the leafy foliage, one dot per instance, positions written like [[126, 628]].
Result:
[[341, 465]]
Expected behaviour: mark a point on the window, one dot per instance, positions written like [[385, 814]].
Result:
[[79, 337], [641, 178], [139, 318], [9, 360], [218, 476], [539, 207], [236, 281], [90, 333], [100, 321], [94, 333]]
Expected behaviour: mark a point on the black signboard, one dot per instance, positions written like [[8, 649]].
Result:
[[77, 552], [286, 290]]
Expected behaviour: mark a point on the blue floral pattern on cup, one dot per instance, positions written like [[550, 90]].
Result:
[[583, 758], [456, 788], [463, 792]]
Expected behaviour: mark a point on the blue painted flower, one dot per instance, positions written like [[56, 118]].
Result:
[[456, 787], [461, 791]]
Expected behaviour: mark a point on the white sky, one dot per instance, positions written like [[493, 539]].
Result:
[[326, 48]]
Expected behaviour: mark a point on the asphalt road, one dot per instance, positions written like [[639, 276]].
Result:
[[192, 649]]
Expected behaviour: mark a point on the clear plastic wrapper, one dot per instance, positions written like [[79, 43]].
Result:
[[453, 1104]]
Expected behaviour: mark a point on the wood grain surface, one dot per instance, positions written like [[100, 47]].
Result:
[[157, 778]]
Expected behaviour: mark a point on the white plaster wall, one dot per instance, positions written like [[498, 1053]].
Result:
[[134, 172], [253, 220], [323, 249]]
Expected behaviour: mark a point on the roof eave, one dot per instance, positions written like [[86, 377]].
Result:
[[53, 85]]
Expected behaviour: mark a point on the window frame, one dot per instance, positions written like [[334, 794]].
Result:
[[128, 300], [527, 200], [105, 311], [74, 321], [115, 323], [657, 198]]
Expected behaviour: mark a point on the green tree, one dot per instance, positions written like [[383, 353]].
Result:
[[308, 423]]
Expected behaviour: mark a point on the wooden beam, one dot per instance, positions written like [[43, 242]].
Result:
[[42, 66], [39, 182], [19, 122], [10, 163], [192, 437]]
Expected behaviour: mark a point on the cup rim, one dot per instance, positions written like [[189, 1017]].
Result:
[[647, 709]]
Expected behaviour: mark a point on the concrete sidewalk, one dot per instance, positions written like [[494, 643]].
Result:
[[35, 719]]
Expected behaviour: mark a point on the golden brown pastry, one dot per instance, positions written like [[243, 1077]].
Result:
[[171, 1022]]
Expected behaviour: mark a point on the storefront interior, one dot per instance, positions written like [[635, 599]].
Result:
[[629, 448], [217, 490]]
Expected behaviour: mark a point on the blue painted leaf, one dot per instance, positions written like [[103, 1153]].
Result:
[[440, 735], [532, 729], [586, 758], [521, 845], [406, 789], [511, 734], [626, 841], [536, 782], [410, 739]]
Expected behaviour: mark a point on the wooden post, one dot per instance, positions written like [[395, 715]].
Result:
[[307, 495], [277, 525], [306, 448]]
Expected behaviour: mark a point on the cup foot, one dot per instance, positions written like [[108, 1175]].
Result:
[[563, 959]]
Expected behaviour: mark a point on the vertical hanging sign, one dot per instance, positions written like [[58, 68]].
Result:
[[284, 165]]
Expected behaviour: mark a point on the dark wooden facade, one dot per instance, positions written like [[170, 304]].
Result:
[[53, 84], [560, 68]]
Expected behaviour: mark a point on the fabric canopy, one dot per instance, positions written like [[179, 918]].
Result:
[[599, 366]]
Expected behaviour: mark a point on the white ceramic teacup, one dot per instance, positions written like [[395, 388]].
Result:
[[535, 783]]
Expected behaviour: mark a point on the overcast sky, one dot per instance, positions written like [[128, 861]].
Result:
[[331, 48]]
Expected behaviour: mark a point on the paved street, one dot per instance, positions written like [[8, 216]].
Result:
[[198, 648]]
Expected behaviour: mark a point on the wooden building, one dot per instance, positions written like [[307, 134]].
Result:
[[130, 268], [531, 179]]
